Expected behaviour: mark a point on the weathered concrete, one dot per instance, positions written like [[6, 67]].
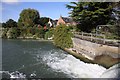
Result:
[[91, 50]]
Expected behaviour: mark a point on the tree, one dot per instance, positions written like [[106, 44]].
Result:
[[62, 37], [43, 21], [4, 25], [90, 14], [10, 23], [40, 33], [28, 18]]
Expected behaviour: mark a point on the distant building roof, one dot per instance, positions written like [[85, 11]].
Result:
[[67, 19]]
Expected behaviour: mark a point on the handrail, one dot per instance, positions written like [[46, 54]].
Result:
[[99, 38]]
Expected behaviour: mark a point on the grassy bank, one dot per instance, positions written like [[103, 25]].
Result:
[[104, 60]]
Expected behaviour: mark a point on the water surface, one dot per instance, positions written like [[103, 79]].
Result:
[[45, 60]]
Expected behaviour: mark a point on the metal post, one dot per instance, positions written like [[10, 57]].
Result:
[[91, 36], [82, 35], [96, 30], [104, 39]]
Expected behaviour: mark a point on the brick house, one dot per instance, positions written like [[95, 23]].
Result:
[[66, 20]]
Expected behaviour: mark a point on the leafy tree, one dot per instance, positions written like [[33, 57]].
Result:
[[43, 21], [62, 37], [10, 23], [4, 25], [28, 18], [33, 29], [90, 14]]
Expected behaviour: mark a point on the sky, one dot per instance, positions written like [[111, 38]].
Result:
[[11, 10]]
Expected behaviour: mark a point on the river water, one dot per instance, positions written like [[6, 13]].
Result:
[[45, 60]]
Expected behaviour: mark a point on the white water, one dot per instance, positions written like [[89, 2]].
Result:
[[68, 64], [112, 72], [72, 66], [13, 75], [34, 58]]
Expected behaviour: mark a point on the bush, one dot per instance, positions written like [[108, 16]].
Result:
[[39, 32], [62, 37], [13, 33], [49, 33], [4, 33]]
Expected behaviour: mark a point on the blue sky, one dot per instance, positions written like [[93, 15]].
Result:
[[46, 9]]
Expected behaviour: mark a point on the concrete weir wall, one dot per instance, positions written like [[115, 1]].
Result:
[[91, 50]]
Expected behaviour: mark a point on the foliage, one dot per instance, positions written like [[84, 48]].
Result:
[[39, 32], [49, 33], [28, 18], [4, 25], [62, 37], [43, 21], [4, 33], [90, 14], [113, 33], [13, 33], [9, 24]]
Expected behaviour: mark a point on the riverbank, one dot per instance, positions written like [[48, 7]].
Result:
[[29, 39], [104, 60]]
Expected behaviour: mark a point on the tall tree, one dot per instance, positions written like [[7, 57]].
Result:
[[90, 14], [28, 18]]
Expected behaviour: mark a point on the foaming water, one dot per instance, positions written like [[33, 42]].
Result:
[[44, 60], [61, 62]]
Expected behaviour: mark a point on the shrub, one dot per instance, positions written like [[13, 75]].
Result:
[[62, 37], [49, 33]]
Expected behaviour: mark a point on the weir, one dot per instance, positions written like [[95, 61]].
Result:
[[48, 61], [91, 50]]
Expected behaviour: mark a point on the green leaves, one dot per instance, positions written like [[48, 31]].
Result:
[[49, 33], [10, 23], [90, 14], [62, 37], [28, 18], [43, 21]]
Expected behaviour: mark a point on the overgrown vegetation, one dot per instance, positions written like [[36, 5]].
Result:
[[49, 34], [62, 37]]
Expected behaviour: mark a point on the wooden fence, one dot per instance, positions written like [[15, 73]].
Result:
[[96, 38]]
